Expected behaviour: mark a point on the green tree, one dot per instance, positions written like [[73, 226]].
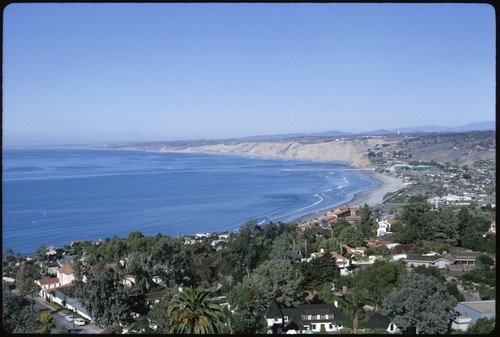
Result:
[[104, 296], [245, 297], [421, 304], [279, 280], [318, 271], [378, 280], [282, 247], [17, 315], [45, 322], [351, 236], [366, 221], [482, 326], [415, 219], [192, 311], [444, 227], [352, 305]]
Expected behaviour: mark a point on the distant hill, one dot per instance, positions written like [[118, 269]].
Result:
[[479, 126], [456, 148]]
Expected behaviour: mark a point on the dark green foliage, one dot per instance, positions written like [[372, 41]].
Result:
[[194, 311], [318, 271], [17, 314], [421, 304], [105, 297], [482, 326], [415, 218], [114, 329], [378, 279], [367, 222], [430, 271]]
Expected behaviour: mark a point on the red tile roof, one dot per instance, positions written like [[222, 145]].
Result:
[[66, 269], [49, 280]]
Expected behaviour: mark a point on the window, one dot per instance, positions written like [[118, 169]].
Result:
[[313, 326]]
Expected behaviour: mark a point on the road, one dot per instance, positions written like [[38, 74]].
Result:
[[62, 323]]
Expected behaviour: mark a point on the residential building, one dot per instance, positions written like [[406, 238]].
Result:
[[470, 312], [306, 317]]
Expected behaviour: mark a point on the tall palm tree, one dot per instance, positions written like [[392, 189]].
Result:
[[192, 311]]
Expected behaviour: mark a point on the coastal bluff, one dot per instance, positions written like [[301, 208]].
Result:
[[351, 151]]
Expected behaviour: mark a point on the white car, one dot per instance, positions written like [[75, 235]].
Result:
[[80, 321]]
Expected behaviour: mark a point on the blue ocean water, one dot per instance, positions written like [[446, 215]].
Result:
[[55, 196]]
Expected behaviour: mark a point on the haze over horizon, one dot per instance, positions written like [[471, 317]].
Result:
[[95, 72]]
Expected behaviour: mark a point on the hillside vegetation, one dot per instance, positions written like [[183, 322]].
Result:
[[446, 148]]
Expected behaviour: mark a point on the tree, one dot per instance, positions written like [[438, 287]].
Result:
[[45, 322], [277, 279], [421, 304], [482, 326], [444, 227], [245, 298], [318, 271], [351, 236], [415, 219], [104, 296], [378, 280], [367, 221], [17, 315], [192, 311]]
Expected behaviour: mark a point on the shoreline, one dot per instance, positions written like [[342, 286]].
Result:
[[371, 197]]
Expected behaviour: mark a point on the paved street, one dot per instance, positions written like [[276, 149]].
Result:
[[62, 323]]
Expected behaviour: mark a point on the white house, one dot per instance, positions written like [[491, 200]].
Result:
[[65, 274], [46, 284], [384, 227]]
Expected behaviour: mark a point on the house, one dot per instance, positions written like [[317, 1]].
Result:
[[153, 298], [380, 243], [275, 318], [379, 321], [470, 312], [428, 261], [456, 260], [219, 244], [341, 262], [492, 230], [384, 227], [306, 317], [354, 251], [129, 281], [46, 284], [65, 274]]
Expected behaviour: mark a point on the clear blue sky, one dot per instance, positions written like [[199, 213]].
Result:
[[83, 73]]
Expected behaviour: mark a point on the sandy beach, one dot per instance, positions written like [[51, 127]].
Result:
[[371, 197]]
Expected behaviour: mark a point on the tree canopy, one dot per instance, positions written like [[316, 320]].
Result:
[[421, 304]]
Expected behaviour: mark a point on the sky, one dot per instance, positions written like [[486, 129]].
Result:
[[91, 73]]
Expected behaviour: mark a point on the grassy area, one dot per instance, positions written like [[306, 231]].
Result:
[[58, 308]]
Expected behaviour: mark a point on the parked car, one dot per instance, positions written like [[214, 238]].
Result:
[[80, 321]]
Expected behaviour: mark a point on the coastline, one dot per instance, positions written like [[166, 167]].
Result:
[[371, 197]]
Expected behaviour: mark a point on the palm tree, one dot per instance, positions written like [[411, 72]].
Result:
[[192, 311]]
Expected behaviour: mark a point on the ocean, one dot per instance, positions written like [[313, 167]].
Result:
[[55, 196]]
